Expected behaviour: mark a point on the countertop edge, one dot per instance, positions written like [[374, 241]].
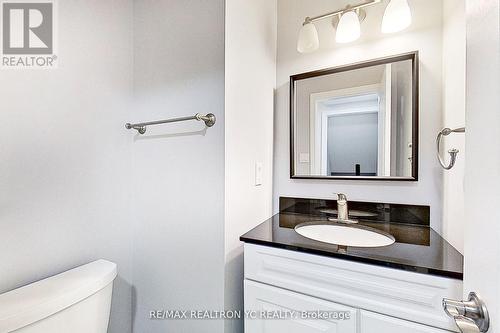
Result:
[[387, 264]]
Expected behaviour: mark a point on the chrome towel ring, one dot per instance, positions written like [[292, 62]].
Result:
[[453, 152]]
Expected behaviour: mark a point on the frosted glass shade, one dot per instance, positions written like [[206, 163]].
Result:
[[397, 16], [349, 28], [308, 39]]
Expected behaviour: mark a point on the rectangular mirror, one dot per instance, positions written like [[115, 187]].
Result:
[[356, 122]]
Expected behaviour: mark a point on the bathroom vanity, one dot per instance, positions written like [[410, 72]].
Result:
[[390, 289]]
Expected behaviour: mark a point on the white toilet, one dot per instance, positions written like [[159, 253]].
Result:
[[76, 301]]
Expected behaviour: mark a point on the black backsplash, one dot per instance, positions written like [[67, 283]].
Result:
[[368, 211]]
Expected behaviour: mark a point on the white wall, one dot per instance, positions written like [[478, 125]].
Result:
[[482, 171], [249, 101], [425, 35], [65, 154], [320, 84], [453, 117], [178, 169]]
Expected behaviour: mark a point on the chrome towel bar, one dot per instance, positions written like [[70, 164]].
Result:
[[453, 152], [209, 121]]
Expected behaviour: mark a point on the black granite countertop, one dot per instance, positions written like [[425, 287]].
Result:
[[418, 248]]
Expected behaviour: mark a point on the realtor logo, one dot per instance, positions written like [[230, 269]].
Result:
[[28, 34]]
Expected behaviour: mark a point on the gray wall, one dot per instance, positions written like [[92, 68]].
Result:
[[65, 155], [76, 185], [178, 169], [353, 139]]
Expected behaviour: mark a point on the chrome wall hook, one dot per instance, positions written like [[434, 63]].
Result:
[[453, 152]]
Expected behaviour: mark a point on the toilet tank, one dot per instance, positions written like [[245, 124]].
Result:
[[76, 301]]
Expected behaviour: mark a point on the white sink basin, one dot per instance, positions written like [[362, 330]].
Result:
[[346, 235]]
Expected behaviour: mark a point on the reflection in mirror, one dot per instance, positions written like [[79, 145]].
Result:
[[357, 121]]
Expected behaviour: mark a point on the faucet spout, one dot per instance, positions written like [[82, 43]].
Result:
[[342, 210]]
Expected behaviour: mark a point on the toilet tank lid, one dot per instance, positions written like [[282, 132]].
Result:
[[36, 301]]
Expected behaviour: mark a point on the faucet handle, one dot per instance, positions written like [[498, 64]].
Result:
[[341, 197]]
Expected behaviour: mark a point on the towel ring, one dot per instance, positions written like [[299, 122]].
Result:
[[453, 152]]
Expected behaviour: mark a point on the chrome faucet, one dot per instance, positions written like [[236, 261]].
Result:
[[342, 210]]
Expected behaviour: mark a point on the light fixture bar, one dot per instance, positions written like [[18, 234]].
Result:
[[342, 11]]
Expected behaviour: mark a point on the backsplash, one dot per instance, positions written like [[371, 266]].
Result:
[[371, 211]]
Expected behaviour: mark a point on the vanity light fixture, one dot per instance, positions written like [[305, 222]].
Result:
[[349, 28], [397, 17], [308, 37]]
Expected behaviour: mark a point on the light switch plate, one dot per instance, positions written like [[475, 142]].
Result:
[[258, 173], [304, 157]]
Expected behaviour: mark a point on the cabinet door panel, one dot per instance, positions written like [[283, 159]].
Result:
[[377, 323], [263, 298], [397, 293]]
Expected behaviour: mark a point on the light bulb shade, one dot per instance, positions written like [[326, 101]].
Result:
[[308, 38], [349, 28], [397, 16]]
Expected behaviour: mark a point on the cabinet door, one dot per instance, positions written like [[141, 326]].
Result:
[[263, 299], [377, 323], [397, 293]]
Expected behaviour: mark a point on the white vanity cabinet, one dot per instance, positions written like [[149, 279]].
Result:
[[261, 297], [371, 322], [377, 299]]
